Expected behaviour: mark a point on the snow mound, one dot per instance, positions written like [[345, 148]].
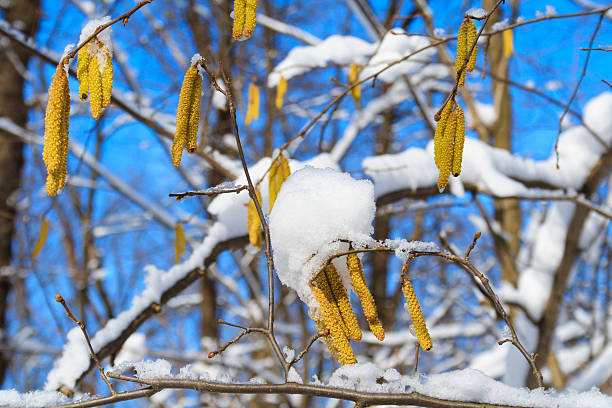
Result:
[[313, 211]]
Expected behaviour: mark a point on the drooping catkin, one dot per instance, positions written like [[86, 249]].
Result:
[[417, 316], [508, 43], [83, 72], [459, 141], [365, 297], [279, 171], [95, 86], [107, 79], [250, 17], [439, 152], [281, 89], [239, 18], [447, 149], [42, 238], [323, 283], [179, 242], [182, 114], [57, 115], [462, 50], [343, 302], [194, 116], [254, 222], [341, 344], [471, 39], [253, 104], [355, 91]]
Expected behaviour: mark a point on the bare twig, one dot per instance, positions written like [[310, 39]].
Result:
[[607, 83], [310, 343], [124, 18], [229, 343], [60, 299], [210, 192], [596, 49], [584, 69]]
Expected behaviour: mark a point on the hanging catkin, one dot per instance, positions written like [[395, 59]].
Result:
[[253, 104], [183, 112], [55, 150], [356, 90], [254, 222], [107, 79], [417, 316], [471, 39], [341, 344], [462, 50], [343, 302], [94, 81], [281, 89], [365, 297], [459, 141], [279, 171]]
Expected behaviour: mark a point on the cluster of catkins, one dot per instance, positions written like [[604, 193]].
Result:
[[337, 316], [95, 75], [188, 114], [244, 18], [450, 132]]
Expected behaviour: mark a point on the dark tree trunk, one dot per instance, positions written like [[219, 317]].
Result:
[[12, 106]]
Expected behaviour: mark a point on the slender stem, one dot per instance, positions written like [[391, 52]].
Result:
[[60, 299]]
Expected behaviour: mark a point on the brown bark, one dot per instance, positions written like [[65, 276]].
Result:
[[507, 211], [548, 322], [12, 106]]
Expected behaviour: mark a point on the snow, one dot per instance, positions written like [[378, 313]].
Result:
[[13, 398], [313, 211], [476, 12], [90, 27], [336, 49], [344, 50], [196, 58]]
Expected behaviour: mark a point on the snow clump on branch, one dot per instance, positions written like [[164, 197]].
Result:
[[314, 210]]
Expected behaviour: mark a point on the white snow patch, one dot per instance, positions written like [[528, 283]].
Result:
[[476, 12], [313, 211]]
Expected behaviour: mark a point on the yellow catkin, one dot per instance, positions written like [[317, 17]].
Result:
[[323, 283], [439, 134], [42, 238], [281, 90], [179, 242], [343, 302], [471, 39], [250, 17], [363, 293], [446, 157], [83, 72], [459, 141], [253, 104], [329, 342], [182, 114], [95, 87], [508, 43], [254, 223], [356, 91], [57, 116], [107, 80], [341, 344], [194, 116], [279, 171], [417, 316], [239, 18], [462, 50]]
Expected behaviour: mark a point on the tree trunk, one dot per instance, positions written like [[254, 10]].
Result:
[[12, 106], [507, 211]]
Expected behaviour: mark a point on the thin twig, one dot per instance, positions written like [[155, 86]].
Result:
[[607, 83], [416, 358], [209, 192], [229, 343], [310, 343], [584, 69], [596, 49], [124, 18], [60, 299]]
